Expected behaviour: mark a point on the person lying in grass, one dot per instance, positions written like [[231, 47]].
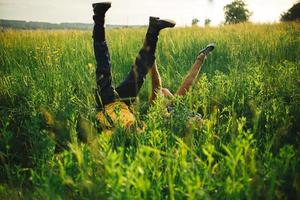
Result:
[[113, 104]]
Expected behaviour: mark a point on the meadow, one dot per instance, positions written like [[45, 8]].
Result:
[[248, 93]]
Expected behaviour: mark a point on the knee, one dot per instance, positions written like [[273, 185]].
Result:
[[145, 58]]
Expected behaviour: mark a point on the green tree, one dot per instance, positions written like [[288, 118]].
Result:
[[236, 12], [195, 21], [207, 22], [293, 14]]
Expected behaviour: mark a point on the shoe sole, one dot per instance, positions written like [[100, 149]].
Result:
[[170, 23], [108, 3], [209, 48]]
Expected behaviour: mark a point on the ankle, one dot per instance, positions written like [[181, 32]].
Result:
[[99, 19], [153, 31], [150, 43]]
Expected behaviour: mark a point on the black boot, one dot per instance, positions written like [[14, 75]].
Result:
[[155, 26], [101, 8], [99, 18], [99, 12]]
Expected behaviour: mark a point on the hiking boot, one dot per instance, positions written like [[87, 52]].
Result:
[[155, 25], [101, 8], [209, 48], [159, 24]]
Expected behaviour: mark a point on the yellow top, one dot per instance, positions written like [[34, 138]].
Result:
[[116, 113]]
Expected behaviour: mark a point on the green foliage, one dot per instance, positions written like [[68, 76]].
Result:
[[195, 21], [248, 94], [236, 12], [293, 14], [207, 22]]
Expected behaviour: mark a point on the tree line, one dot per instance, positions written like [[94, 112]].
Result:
[[19, 24], [237, 12]]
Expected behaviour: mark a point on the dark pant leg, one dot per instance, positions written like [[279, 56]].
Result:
[[105, 92], [130, 87]]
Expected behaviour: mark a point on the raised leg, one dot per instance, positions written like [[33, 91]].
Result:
[[156, 83], [194, 71], [105, 92], [130, 87]]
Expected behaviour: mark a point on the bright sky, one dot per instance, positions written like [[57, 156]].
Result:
[[129, 12]]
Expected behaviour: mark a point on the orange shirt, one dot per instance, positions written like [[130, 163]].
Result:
[[116, 113]]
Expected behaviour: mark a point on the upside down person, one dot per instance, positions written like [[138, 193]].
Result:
[[114, 103], [110, 99]]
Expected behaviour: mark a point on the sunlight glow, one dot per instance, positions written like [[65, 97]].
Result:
[[136, 12]]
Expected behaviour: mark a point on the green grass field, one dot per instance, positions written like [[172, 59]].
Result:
[[248, 93]]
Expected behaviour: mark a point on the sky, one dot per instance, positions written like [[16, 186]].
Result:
[[137, 12]]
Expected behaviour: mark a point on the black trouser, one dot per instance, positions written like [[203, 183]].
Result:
[[129, 88]]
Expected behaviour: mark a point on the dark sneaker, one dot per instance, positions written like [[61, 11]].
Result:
[[101, 8], [160, 24], [209, 48]]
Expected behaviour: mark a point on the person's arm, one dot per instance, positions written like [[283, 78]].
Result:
[[192, 75]]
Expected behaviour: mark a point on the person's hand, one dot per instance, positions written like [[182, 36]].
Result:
[[166, 92]]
